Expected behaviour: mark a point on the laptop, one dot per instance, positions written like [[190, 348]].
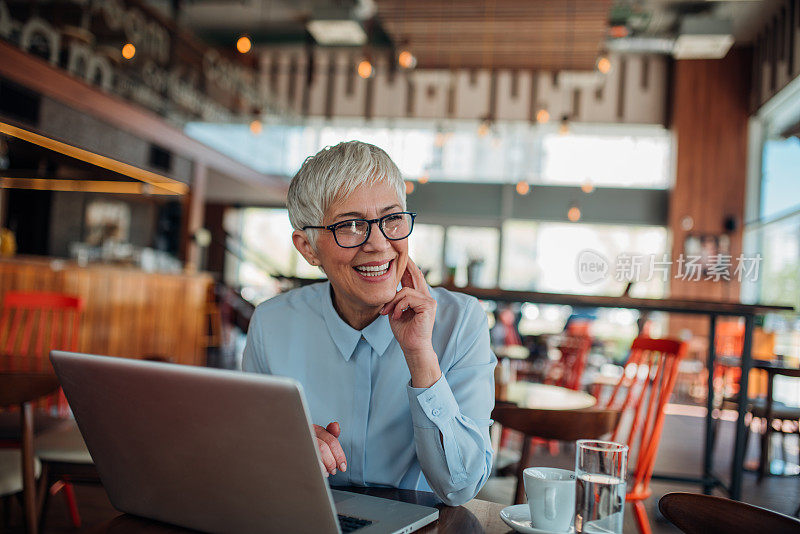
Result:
[[214, 450]]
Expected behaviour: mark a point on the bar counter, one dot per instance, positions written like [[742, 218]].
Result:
[[127, 312]]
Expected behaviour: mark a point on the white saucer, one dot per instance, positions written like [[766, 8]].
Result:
[[518, 517]]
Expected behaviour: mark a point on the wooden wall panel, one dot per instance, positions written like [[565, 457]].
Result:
[[128, 313], [331, 88], [710, 115], [776, 58]]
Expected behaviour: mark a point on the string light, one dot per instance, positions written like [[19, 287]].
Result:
[[406, 60], [542, 116], [365, 69], [424, 178], [128, 51], [244, 44], [587, 187], [523, 188], [483, 128], [409, 187], [256, 127], [604, 65], [574, 213]]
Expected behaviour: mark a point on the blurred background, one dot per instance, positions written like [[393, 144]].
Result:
[[146, 148]]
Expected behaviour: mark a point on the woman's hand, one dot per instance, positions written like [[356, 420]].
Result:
[[330, 450], [412, 313]]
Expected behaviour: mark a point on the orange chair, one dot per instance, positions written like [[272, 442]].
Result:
[[648, 382], [31, 325]]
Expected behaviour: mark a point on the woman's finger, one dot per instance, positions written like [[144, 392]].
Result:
[[415, 301], [333, 428], [418, 277], [389, 306], [407, 280], [328, 459], [335, 448]]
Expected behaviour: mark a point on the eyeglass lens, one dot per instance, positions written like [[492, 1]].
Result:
[[354, 233]]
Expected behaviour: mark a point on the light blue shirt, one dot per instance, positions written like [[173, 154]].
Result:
[[390, 431]]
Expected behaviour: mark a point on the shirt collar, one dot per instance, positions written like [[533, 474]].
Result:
[[378, 333]]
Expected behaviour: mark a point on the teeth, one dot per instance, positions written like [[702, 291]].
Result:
[[373, 270]]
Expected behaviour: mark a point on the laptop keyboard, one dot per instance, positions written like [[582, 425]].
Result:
[[350, 524]]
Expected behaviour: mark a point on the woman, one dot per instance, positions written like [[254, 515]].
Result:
[[399, 383]]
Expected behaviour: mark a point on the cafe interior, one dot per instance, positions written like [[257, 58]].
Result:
[[617, 182]]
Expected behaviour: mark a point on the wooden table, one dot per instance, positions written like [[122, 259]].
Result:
[[21, 390], [546, 397], [476, 516], [709, 308]]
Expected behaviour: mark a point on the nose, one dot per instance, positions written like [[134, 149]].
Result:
[[376, 241]]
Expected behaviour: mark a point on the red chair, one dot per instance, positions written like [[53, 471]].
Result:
[[568, 371], [31, 325], [648, 381]]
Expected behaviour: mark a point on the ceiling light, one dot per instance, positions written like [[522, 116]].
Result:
[[128, 51], [244, 44], [406, 60], [365, 69], [337, 32], [703, 37]]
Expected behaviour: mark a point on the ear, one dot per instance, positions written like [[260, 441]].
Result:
[[303, 246]]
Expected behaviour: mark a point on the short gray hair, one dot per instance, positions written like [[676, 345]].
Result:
[[334, 173]]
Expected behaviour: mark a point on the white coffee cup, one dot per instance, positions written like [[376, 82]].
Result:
[[551, 497]]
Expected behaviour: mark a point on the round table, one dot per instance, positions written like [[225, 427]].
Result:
[[546, 397]]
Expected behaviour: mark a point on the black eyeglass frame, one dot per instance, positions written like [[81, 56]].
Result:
[[370, 222]]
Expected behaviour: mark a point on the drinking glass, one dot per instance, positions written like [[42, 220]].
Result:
[[600, 469]]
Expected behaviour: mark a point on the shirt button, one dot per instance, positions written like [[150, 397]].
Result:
[[435, 412]]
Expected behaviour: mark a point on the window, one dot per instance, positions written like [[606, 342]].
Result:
[[260, 246], [467, 151], [471, 255], [519, 269], [545, 257], [607, 160], [425, 248], [780, 186]]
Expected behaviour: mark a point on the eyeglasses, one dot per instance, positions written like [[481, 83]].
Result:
[[355, 232]]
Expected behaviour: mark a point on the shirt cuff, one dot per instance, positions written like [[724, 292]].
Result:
[[433, 406]]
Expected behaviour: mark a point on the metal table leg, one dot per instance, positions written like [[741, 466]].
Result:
[[708, 452], [737, 466]]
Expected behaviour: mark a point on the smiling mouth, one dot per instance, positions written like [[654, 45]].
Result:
[[374, 270]]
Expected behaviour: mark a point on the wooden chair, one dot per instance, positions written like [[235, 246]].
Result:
[[33, 323], [562, 425], [568, 371], [21, 390], [703, 514], [648, 381], [770, 411]]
